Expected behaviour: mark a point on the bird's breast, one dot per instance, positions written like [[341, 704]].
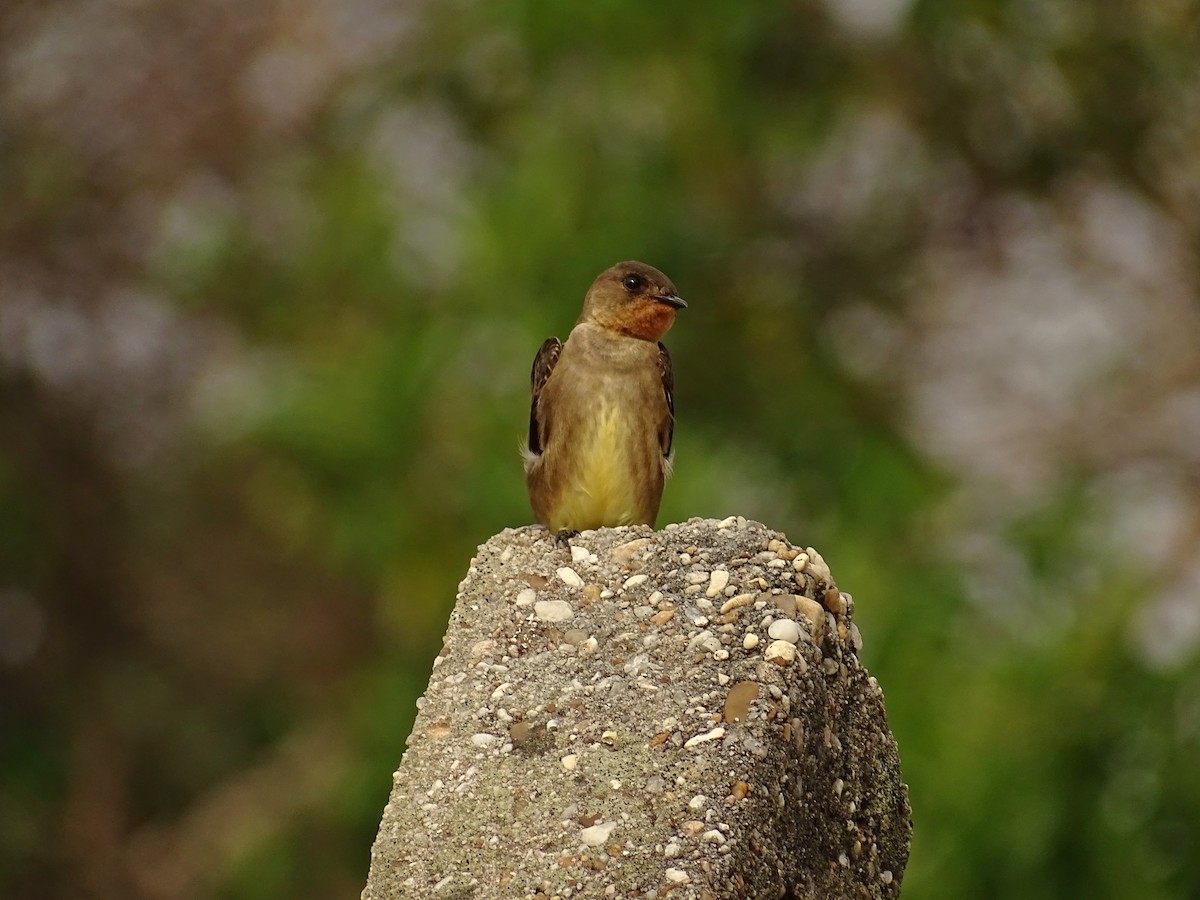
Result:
[[602, 408], [603, 487]]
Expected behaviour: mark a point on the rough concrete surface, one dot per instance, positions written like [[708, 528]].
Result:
[[647, 714]]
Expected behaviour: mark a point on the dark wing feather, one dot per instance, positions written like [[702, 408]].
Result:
[[668, 382], [543, 365]]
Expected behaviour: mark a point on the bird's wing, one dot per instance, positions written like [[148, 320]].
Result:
[[666, 435], [543, 365]]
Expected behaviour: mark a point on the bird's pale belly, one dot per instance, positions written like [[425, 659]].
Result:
[[600, 491]]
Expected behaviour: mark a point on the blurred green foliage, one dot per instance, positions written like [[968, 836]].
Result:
[[235, 635]]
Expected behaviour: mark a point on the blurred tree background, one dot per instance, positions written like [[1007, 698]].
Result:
[[271, 278]]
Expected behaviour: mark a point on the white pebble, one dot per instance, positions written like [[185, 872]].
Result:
[[569, 761], [714, 735], [553, 610], [526, 597], [570, 577], [781, 652], [817, 567], [750, 641], [596, 835], [579, 554], [736, 602], [483, 739], [784, 630], [677, 876], [716, 582], [635, 580]]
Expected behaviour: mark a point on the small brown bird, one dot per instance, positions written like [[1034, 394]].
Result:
[[602, 416]]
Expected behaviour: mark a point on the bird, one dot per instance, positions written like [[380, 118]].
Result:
[[602, 407]]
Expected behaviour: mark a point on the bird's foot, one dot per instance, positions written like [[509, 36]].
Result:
[[563, 538]]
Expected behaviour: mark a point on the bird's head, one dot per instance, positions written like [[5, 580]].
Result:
[[634, 299]]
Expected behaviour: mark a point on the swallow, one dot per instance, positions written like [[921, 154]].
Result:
[[602, 411]]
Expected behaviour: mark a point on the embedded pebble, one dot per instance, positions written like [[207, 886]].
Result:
[[595, 835], [737, 602], [817, 566], [835, 602], [716, 734], [481, 649], [579, 554], [739, 699], [570, 577], [526, 597], [785, 630], [750, 641], [812, 611], [782, 653], [716, 582], [622, 553], [483, 739], [754, 746], [677, 876], [553, 610], [570, 761], [635, 580]]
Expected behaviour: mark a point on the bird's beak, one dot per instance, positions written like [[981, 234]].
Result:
[[672, 301]]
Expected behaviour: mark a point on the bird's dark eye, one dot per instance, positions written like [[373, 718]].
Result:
[[633, 282]]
